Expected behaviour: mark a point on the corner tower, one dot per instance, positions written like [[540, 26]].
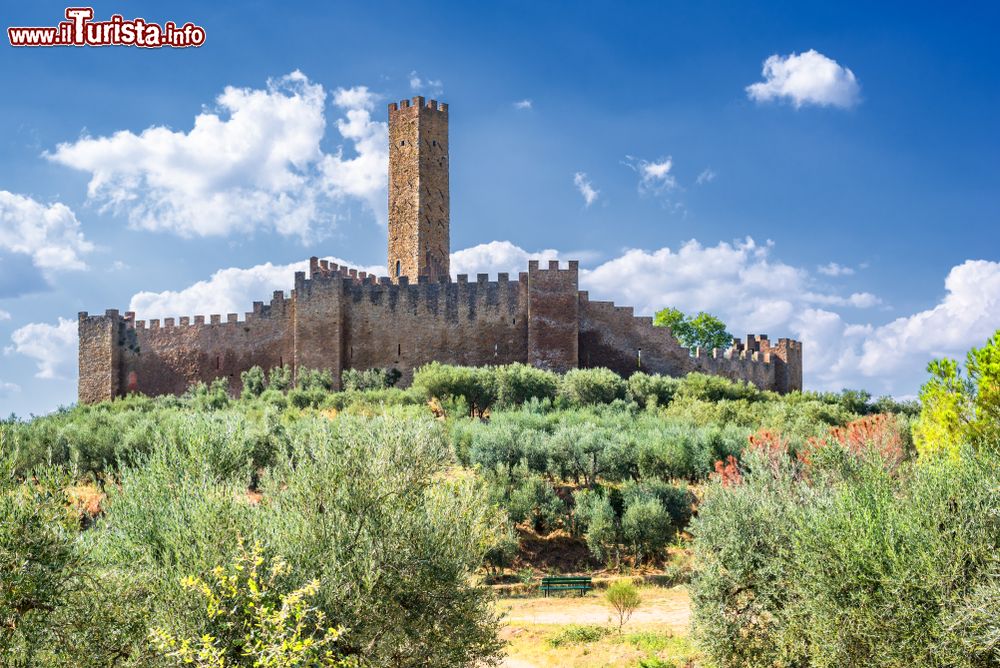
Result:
[[419, 204]]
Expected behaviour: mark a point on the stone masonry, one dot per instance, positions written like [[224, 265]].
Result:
[[337, 318]]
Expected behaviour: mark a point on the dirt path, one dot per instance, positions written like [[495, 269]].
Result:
[[671, 607], [660, 608]]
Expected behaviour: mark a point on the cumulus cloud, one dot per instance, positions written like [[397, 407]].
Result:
[[253, 162], [806, 78], [523, 104], [230, 290], [429, 86], [496, 257], [586, 188], [654, 176], [4, 315], [834, 269], [968, 314], [52, 347], [707, 176], [736, 280], [363, 176], [8, 389], [49, 234]]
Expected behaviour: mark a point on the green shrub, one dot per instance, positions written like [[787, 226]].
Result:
[[583, 387], [252, 617], [716, 388], [624, 599], [534, 502], [476, 384], [254, 382], [676, 500], [648, 390], [280, 378], [355, 380], [646, 528], [320, 380], [518, 383], [864, 564], [595, 518], [359, 504], [577, 634]]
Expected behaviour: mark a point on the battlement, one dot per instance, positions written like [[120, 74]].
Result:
[[572, 267], [418, 102], [279, 306]]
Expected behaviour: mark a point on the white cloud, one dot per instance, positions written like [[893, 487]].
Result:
[[654, 176], [968, 314], [496, 257], [4, 315], [49, 234], [737, 281], [365, 175], [707, 176], [53, 347], [523, 104], [8, 389], [586, 188], [430, 86], [856, 299], [231, 290], [254, 163], [834, 269], [806, 78]]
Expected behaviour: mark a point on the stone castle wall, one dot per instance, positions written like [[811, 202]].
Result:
[[340, 319]]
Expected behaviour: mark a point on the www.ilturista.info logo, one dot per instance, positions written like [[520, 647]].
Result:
[[80, 30]]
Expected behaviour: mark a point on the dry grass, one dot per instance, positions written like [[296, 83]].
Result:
[[87, 500], [658, 629]]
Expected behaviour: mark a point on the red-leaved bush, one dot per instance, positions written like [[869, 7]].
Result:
[[771, 445], [877, 436], [728, 472]]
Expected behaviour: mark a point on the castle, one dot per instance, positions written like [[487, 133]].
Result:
[[337, 318]]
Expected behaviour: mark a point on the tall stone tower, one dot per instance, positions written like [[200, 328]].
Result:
[[419, 209]]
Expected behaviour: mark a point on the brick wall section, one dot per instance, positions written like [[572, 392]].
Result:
[[405, 326], [318, 324], [612, 337], [167, 357], [99, 356], [553, 316], [419, 200]]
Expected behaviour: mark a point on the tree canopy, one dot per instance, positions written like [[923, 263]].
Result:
[[703, 330]]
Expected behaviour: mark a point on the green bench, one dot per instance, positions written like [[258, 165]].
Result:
[[581, 584]]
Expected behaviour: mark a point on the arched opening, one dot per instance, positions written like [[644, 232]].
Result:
[[398, 268]]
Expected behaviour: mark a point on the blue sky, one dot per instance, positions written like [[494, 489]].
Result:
[[849, 199]]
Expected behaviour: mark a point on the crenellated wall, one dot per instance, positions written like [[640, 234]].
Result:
[[338, 318], [167, 357]]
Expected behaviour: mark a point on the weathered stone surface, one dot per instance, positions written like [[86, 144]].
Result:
[[419, 204], [337, 318]]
